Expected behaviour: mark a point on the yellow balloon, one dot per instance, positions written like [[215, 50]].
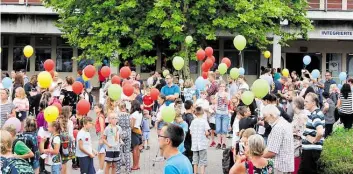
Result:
[[285, 72], [267, 54], [28, 51], [84, 77], [51, 113], [44, 79]]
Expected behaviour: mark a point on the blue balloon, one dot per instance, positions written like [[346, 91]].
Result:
[[315, 73], [306, 60], [6, 82], [339, 86], [241, 71], [200, 83], [343, 76]]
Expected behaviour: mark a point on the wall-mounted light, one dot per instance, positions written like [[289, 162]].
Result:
[[317, 53]]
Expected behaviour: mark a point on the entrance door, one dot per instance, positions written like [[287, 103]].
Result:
[[294, 62]]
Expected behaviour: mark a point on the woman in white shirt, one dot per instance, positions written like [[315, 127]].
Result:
[[56, 85], [136, 136]]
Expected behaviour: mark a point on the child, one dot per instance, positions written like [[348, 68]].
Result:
[[222, 115], [100, 126], [19, 148], [84, 150], [199, 131], [212, 119], [54, 151], [29, 137], [78, 125], [43, 133], [145, 129], [181, 123], [111, 139], [204, 103], [21, 104], [147, 101]]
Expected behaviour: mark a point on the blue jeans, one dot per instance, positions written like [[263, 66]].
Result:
[[222, 123], [56, 169]]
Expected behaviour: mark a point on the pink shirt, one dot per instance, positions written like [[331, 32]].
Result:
[[21, 104]]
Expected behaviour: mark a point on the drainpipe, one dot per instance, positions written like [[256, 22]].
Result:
[[325, 5]]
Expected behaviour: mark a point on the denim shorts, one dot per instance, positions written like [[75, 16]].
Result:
[[35, 164], [56, 169], [145, 136], [222, 124]]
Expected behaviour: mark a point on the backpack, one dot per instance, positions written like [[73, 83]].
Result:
[[15, 166], [226, 160], [67, 147], [31, 141]]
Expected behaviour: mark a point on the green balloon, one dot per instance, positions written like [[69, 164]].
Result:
[[178, 62], [188, 40], [239, 42], [247, 97], [222, 68], [234, 73], [114, 92], [168, 114], [260, 88], [165, 72]]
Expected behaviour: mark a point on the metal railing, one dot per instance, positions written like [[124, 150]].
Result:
[[330, 5]]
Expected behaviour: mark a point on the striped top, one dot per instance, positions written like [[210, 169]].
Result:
[[5, 110], [346, 104], [315, 119]]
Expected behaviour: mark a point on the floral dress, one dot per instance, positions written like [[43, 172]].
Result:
[[70, 99], [298, 123], [268, 169], [124, 123]]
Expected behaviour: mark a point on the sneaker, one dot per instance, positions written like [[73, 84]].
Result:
[[148, 148], [224, 146], [100, 171], [213, 144], [218, 146]]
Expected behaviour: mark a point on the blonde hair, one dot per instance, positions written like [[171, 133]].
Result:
[[332, 88], [30, 124], [188, 83], [21, 91], [11, 129], [6, 141], [256, 145], [64, 118], [109, 105], [247, 132]]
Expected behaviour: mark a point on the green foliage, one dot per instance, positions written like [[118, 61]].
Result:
[[337, 153], [128, 28]]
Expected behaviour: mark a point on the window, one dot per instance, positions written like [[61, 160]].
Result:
[[64, 54], [81, 64], [19, 60], [350, 65], [152, 67], [333, 64], [194, 66], [43, 52], [234, 58], [251, 62], [4, 52]]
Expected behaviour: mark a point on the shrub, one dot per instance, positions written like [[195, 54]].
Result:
[[337, 153]]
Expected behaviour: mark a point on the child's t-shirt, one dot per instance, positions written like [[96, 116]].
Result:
[[212, 118], [54, 159], [87, 143], [236, 130], [205, 106], [112, 133], [145, 125], [198, 129], [20, 148]]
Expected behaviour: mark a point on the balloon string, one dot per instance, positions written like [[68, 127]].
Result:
[[241, 59]]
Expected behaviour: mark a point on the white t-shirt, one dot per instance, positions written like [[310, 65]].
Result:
[[138, 116], [56, 92], [159, 113], [236, 130], [205, 106], [112, 133], [198, 129], [87, 143], [70, 127], [54, 159]]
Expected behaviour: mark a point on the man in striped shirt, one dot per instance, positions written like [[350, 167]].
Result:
[[312, 139]]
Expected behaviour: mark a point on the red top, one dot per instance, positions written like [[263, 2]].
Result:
[[98, 127], [147, 100]]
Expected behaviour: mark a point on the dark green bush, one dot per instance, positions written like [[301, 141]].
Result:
[[337, 153]]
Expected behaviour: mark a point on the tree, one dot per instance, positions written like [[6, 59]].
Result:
[[129, 28]]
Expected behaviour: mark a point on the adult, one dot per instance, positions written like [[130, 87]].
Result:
[[158, 81], [213, 86], [188, 116], [136, 135], [25, 77], [241, 83], [294, 76], [13, 75], [6, 106], [138, 78], [34, 100], [31, 85], [124, 123], [350, 82], [232, 87], [150, 79], [17, 83], [67, 95], [334, 93], [278, 85], [298, 125], [254, 149], [189, 91], [345, 106], [159, 120], [328, 108], [56, 85], [86, 84], [170, 90], [280, 141], [313, 136], [169, 139], [328, 82], [267, 76], [305, 85]]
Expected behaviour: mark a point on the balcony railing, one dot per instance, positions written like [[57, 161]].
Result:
[[330, 5], [22, 2]]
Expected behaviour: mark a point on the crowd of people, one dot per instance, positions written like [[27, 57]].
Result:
[[283, 132]]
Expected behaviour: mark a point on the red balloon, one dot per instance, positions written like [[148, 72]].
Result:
[[204, 67], [209, 51], [75, 133], [125, 72], [105, 71], [208, 63], [89, 71], [83, 107], [128, 89], [226, 61], [52, 73], [205, 75], [116, 80], [58, 105], [77, 87], [154, 93], [200, 54], [49, 65]]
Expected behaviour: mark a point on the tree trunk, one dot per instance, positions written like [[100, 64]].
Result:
[[186, 69]]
